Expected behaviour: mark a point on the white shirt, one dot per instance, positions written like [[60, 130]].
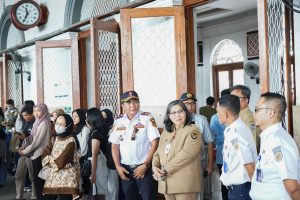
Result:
[[134, 152], [278, 160], [83, 137], [207, 136], [239, 149]]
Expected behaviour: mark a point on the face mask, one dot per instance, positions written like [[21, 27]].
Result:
[[59, 129]]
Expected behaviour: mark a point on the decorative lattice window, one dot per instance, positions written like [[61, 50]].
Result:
[[252, 45], [227, 51]]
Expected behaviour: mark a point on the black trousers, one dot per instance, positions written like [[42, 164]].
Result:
[[38, 182], [144, 187], [223, 189]]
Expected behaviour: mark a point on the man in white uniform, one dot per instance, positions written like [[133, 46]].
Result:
[[239, 151], [134, 140], [277, 170]]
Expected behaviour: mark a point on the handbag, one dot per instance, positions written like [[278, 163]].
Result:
[[86, 168], [45, 172], [14, 143], [98, 196]]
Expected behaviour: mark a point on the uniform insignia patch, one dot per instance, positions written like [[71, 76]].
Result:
[[235, 143], [152, 120], [122, 128], [278, 153], [188, 95], [145, 113], [194, 136], [139, 125]]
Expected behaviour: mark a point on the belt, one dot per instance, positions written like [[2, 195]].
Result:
[[232, 187], [132, 166]]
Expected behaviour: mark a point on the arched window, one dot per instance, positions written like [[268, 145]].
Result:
[[227, 51], [227, 65]]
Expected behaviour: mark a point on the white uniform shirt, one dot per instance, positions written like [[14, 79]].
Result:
[[239, 149], [278, 160], [134, 152], [207, 136]]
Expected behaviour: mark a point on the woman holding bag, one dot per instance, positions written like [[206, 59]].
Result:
[[37, 142], [96, 152], [62, 161]]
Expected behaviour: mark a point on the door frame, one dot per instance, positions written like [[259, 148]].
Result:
[[73, 45], [224, 67]]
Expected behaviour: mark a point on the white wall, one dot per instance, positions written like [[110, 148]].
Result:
[[297, 54], [211, 35]]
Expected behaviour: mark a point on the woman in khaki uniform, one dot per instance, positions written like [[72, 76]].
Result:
[[176, 162]]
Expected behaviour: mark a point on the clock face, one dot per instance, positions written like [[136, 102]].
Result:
[[27, 13]]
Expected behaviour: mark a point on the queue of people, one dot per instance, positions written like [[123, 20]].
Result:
[[92, 154]]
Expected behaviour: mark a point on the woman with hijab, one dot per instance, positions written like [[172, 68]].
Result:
[[63, 176], [81, 130], [36, 143], [82, 133], [113, 177]]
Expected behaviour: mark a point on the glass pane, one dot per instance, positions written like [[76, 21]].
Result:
[[227, 51], [14, 84], [238, 77], [154, 63], [223, 81], [57, 76]]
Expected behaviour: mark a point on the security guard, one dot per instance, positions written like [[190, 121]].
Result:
[[207, 151], [134, 140], [277, 170], [239, 152], [244, 93]]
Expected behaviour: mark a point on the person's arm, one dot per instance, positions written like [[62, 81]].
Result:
[[66, 156], [37, 139], [85, 136], [115, 150], [95, 152], [293, 188], [140, 171], [250, 167]]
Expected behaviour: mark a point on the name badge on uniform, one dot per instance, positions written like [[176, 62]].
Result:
[[168, 147], [259, 175], [122, 128]]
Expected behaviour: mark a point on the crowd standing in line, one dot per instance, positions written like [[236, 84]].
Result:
[[128, 156]]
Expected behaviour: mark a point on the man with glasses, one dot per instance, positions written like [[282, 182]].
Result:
[[201, 122], [244, 93], [277, 171], [134, 140], [239, 151]]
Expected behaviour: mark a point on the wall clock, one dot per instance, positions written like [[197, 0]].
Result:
[[27, 14]]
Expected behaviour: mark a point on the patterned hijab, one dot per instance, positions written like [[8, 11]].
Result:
[[45, 117]]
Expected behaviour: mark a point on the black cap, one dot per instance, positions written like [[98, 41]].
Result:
[[126, 96], [186, 96]]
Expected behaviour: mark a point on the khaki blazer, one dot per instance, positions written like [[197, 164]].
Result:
[[182, 163], [247, 117]]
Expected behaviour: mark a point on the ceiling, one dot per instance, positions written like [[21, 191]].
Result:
[[219, 9]]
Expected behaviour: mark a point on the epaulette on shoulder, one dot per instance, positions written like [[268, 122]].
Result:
[[145, 113], [119, 116]]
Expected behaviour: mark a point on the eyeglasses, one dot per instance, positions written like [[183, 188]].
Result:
[[176, 112], [190, 103], [258, 109]]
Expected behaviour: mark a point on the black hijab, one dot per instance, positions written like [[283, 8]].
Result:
[[78, 127], [69, 128]]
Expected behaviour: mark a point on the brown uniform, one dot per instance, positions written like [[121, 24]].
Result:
[[247, 117], [181, 161]]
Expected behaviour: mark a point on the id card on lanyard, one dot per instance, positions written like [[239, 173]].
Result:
[[259, 175], [168, 146]]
